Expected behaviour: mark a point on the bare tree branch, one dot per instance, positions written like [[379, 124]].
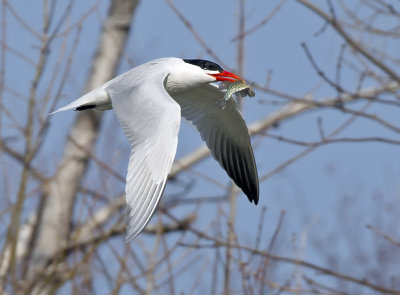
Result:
[[353, 43]]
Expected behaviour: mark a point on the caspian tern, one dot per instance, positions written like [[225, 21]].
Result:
[[148, 101]]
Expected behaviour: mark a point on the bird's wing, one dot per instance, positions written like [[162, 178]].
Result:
[[150, 119], [225, 133]]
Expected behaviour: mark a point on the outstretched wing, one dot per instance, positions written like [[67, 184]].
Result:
[[150, 119], [225, 133]]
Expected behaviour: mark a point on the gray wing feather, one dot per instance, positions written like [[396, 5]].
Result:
[[225, 133], [150, 119]]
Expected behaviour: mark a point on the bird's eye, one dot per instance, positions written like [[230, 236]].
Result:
[[204, 64]]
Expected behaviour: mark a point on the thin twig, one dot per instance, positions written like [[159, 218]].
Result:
[[353, 43]]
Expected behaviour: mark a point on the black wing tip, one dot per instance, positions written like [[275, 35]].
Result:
[[253, 196], [249, 183], [256, 201], [252, 189]]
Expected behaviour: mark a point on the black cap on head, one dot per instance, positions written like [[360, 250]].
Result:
[[205, 64]]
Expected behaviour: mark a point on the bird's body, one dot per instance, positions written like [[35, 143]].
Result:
[[148, 102]]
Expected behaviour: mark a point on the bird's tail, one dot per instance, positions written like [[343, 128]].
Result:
[[98, 98]]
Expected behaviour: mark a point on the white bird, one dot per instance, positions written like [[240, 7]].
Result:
[[148, 101]]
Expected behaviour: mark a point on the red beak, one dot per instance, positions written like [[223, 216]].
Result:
[[226, 76]]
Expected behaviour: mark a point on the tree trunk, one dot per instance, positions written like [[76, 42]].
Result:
[[53, 227]]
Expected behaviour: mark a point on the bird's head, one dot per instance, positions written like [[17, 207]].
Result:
[[190, 73]]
